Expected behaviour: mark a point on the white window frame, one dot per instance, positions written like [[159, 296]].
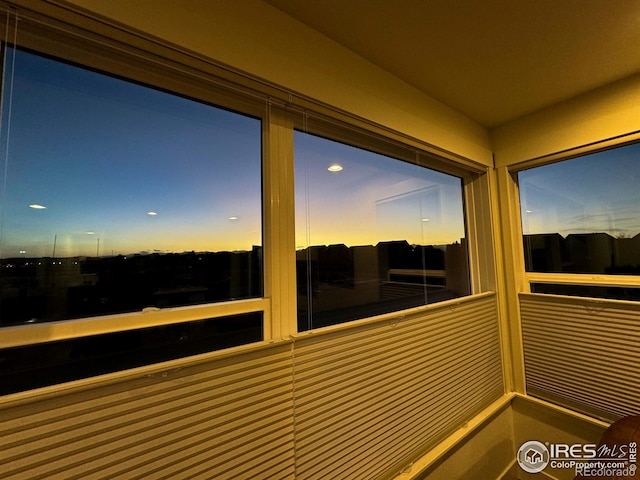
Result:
[[83, 40], [580, 279], [476, 186], [84, 47]]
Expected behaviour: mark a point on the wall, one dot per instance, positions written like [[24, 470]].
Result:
[[606, 113]]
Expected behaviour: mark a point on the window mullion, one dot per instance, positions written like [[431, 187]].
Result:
[[279, 228]]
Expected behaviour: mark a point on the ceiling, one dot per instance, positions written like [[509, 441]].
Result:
[[492, 60]]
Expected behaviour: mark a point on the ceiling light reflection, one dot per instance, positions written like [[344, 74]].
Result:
[[37, 206], [336, 167]]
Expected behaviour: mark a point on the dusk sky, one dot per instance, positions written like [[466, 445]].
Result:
[[594, 193], [101, 154], [121, 168], [372, 199]]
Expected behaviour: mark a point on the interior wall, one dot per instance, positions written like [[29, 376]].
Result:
[[252, 36], [606, 113]]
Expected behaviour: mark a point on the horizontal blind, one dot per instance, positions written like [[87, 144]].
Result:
[[226, 419], [377, 396], [583, 353]]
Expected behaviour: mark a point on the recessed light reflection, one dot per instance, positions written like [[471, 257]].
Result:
[[232, 218], [336, 167], [425, 219], [152, 214], [37, 206]]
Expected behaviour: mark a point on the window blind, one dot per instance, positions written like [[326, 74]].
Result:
[[583, 353]]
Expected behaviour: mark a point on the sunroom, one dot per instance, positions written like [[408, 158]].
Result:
[[275, 239]]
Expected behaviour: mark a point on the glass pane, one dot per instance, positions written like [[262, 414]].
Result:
[[118, 197], [43, 364], [373, 234], [583, 215], [616, 293]]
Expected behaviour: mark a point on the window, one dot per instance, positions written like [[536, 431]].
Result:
[[42, 364], [582, 216], [373, 234], [118, 197]]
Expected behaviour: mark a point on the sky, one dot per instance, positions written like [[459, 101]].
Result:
[[599, 192], [122, 168], [373, 198]]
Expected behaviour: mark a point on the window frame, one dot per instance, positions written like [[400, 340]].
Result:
[[82, 39], [191, 79], [476, 185], [578, 279]]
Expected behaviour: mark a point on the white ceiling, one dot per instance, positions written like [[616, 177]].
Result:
[[493, 60]]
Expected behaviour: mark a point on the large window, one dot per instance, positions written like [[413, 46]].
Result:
[[117, 197], [582, 216], [373, 234], [131, 211]]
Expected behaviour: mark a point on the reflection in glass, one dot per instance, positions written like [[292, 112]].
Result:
[[376, 236], [583, 215], [39, 365], [593, 291], [117, 197]]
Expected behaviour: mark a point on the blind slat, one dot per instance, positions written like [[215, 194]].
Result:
[[362, 402], [581, 354]]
